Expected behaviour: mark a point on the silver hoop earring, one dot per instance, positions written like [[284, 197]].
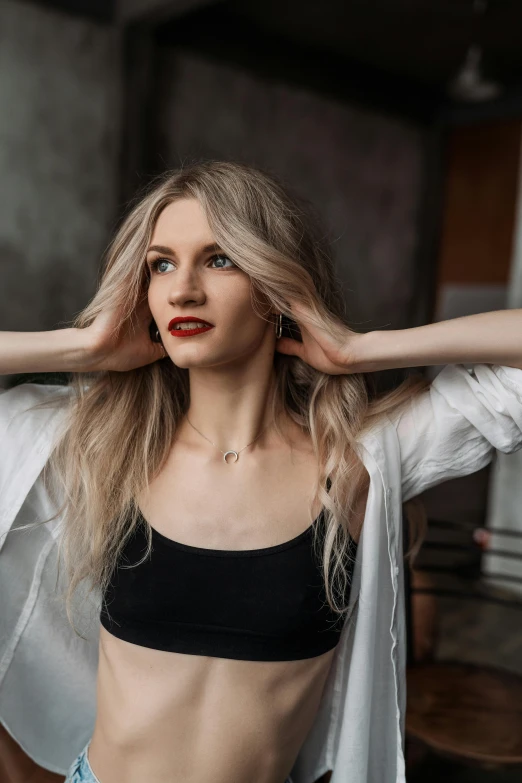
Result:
[[157, 336], [279, 325]]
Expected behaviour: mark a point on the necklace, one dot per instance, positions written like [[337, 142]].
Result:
[[230, 451]]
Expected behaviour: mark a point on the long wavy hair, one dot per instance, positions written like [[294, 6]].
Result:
[[120, 426]]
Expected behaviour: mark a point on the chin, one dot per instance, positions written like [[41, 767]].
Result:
[[207, 362], [193, 362]]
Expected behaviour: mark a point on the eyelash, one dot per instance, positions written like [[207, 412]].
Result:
[[157, 261]]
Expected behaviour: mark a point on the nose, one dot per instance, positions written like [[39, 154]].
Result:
[[186, 288]]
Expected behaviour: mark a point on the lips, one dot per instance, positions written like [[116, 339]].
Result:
[[187, 319], [191, 326]]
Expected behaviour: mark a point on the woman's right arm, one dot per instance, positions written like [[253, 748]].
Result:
[[108, 343], [59, 350]]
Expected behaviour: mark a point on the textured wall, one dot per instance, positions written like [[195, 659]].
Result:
[[58, 133], [363, 170]]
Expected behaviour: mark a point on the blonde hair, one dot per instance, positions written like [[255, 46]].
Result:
[[120, 426]]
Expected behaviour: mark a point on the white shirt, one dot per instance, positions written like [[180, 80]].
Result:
[[48, 674]]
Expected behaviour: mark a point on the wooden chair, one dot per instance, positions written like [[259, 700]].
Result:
[[459, 707]]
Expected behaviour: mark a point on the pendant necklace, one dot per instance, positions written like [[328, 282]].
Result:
[[230, 451]]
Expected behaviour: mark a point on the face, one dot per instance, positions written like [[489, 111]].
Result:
[[191, 277]]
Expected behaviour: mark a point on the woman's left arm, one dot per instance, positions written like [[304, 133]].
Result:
[[485, 338]]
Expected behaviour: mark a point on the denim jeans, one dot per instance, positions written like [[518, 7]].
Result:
[[80, 770]]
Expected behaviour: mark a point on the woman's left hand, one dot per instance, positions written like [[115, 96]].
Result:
[[320, 349]]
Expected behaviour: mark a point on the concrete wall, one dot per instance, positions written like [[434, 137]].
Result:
[[363, 170], [59, 117]]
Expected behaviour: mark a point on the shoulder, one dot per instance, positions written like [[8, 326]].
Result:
[[375, 429]]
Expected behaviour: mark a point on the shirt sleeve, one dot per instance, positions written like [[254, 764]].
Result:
[[453, 428], [20, 426]]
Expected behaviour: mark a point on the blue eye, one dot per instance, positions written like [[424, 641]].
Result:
[[154, 265], [157, 261], [220, 256]]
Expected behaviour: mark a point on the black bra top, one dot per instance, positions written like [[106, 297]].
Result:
[[258, 604]]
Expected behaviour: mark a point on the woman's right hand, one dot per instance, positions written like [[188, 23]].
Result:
[[127, 349]]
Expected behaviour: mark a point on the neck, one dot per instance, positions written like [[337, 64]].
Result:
[[230, 408]]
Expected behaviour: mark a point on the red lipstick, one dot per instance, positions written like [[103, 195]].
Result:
[[186, 332]]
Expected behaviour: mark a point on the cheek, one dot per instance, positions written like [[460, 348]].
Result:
[[154, 293], [242, 315], [232, 299], [154, 304], [150, 300]]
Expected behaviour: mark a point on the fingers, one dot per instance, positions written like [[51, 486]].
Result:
[[290, 347]]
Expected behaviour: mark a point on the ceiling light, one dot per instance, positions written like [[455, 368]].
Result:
[[469, 83]]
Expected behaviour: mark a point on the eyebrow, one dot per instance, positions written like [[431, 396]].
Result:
[[168, 250]]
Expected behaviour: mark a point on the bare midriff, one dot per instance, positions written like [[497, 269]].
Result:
[[166, 717]]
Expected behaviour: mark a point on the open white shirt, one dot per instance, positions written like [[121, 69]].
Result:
[[48, 674]]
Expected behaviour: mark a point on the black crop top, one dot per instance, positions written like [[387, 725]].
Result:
[[259, 604]]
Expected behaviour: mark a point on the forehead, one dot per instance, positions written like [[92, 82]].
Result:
[[182, 221]]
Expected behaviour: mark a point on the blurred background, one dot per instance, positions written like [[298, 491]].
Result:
[[402, 121]]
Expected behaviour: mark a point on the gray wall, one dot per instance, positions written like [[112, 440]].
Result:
[[59, 117], [363, 170]]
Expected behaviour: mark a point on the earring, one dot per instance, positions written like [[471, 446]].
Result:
[[157, 336], [279, 325]]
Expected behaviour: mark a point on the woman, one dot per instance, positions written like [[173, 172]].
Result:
[[215, 480]]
